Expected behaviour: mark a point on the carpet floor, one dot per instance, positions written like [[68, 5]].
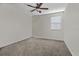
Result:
[[36, 47]]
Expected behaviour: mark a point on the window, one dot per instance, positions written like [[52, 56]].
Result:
[[56, 23]]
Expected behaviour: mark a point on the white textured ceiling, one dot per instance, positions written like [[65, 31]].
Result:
[[53, 7]]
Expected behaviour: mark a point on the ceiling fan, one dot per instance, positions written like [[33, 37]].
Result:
[[38, 6]]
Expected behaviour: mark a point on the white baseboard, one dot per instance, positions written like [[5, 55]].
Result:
[[9, 43], [47, 37], [12, 42]]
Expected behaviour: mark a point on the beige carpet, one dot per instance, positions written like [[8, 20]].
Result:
[[36, 47]]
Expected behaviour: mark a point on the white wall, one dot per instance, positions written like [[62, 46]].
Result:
[[71, 28], [41, 27], [15, 25]]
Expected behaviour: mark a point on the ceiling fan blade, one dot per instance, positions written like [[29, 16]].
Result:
[[44, 8], [30, 6], [39, 5], [33, 10]]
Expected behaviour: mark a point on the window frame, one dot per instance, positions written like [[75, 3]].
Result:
[[60, 22]]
